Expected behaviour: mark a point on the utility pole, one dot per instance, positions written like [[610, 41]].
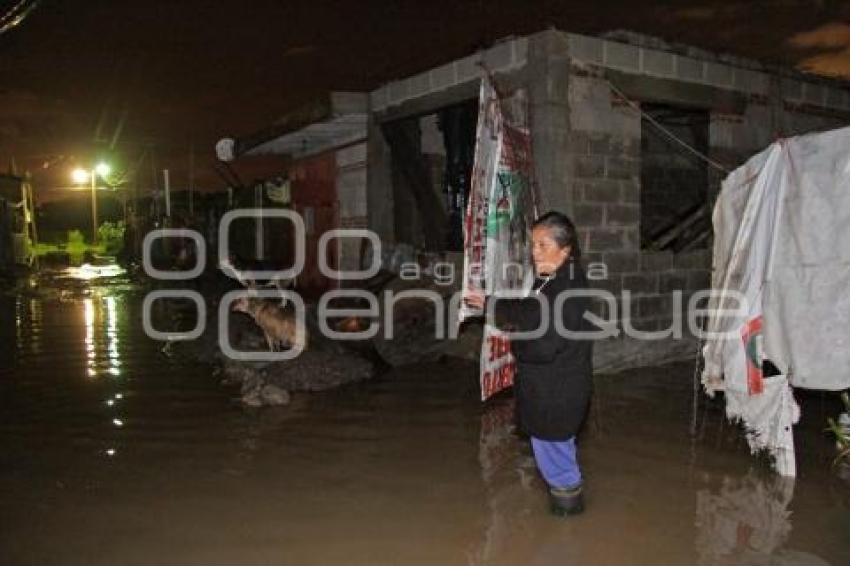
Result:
[[93, 176]]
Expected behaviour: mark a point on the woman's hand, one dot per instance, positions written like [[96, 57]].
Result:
[[475, 299]]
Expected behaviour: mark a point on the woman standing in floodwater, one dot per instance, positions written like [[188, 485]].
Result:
[[554, 371]]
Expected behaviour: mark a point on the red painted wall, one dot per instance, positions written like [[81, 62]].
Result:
[[313, 185]]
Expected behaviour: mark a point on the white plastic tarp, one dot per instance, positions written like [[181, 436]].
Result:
[[782, 241]]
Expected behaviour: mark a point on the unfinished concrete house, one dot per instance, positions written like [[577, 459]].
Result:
[[631, 138]]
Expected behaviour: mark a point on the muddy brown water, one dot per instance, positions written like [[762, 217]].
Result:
[[113, 453]]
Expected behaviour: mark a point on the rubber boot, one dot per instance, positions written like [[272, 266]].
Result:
[[566, 500]]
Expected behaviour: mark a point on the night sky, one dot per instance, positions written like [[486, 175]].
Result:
[[188, 72]]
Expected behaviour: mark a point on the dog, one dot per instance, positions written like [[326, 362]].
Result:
[[280, 327], [228, 267]]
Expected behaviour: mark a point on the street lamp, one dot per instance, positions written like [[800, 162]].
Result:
[[80, 176]]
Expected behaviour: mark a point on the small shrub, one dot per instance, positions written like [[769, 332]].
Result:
[[111, 236], [842, 436], [75, 239]]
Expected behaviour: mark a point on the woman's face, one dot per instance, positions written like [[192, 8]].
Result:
[[547, 255]]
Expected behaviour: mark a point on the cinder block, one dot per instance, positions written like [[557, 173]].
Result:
[[591, 257], [589, 91], [724, 133], [354, 222], [673, 281], [468, 69], [551, 43], [397, 92], [665, 323], [558, 83], [580, 143], [699, 280], [604, 239], [351, 155], [583, 238], [500, 56], [613, 285], [656, 261], [631, 237], [622, 56], [587, 117], [378, 99], [718, 75], [630, 191], [589, 166], [443, 77], [751, 81], [351, 189], [621, 262], [600, 308], [814, 94], [551, 117], [658, 63], [600, 144], [620, 168], [653, 306], [601, 190], [834, 97], [622, 214], [520, 51], [792, 90], [588, 214], [698, 259], [627, 146], [689, 69], [640, 324], [641, 283], [419, 85], [586, 49]]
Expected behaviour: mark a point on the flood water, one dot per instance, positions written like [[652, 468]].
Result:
[[114, 453]]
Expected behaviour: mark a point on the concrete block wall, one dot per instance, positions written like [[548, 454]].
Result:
[[505, 56], [351, 181], [746, 76], [605, 151], [606, 154], [547, 80], [734, 138], [379, 190]]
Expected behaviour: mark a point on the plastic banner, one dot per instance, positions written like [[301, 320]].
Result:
[[500, 210]]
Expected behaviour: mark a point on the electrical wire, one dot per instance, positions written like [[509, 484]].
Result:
[[636, 107], [8, 15], [17, 14]]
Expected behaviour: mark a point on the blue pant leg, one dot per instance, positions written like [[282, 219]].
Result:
[[557, 461]]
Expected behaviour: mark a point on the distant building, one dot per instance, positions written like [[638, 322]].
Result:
[[631, 137], [17, 223]]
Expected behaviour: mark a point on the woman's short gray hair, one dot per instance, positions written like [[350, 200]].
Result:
[[562, 229]]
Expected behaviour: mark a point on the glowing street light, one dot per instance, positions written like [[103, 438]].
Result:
[[102, 169], [80, 176]]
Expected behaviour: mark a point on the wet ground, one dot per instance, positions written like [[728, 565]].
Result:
[[113, 453]]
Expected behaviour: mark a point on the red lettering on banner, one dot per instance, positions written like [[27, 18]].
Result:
[[499, 347], [504, 346], [498, 379]]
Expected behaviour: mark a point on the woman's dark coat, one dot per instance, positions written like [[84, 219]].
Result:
[[554, 373]]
